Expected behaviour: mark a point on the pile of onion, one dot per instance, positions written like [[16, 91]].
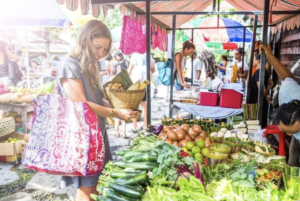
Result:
[[180, 135]]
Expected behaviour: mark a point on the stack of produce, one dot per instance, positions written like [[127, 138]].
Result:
[[10, 140], [3, 89], [245, 126]]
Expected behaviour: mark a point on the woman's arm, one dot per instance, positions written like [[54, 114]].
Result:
[[225, 64], [270, 84], [280, 69], [75, 92], [221, 67]]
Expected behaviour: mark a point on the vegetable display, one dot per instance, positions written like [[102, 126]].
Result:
[[166, 163]]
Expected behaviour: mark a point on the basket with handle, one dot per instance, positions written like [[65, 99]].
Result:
[[291, 179], [124, 99], [7, 126]]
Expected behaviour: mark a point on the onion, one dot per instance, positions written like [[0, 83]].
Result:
[[198, 138], [185, 127], [187, 138], [197, 128], [172, 135], [169, 141], [167, 128], [180, 135], [193, 134], [207, 143], [162, 136], [203, 134], [182, 143], [176, 143], [176, 126], [181, 129]]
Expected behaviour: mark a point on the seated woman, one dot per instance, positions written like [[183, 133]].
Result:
[[223, 65], [288, 114]]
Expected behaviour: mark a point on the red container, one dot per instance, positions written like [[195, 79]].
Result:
[[208, 98], [230, 99]]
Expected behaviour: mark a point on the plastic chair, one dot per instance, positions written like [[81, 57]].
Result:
[[274, 130]]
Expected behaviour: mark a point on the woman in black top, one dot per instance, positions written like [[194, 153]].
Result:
[[268, 84], [124, 64]]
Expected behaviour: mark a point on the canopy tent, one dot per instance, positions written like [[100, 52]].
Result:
[[32, 13], [222, 35]]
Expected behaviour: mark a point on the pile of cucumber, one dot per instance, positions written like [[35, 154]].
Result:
[[128, 184]]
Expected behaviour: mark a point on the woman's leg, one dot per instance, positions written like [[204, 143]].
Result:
[[117, 127], [124, 128], [83, 193], [144, 107], [134, 124]]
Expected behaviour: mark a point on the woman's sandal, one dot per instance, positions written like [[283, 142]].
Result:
[[117, 136]]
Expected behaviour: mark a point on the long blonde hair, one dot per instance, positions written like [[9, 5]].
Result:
[[82, 50]]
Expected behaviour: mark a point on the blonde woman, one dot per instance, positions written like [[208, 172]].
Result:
[[78, 77]]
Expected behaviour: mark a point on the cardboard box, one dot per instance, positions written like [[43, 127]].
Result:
[[11, 152]]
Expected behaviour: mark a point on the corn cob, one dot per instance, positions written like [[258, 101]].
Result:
[[144, 84], [135, 86]]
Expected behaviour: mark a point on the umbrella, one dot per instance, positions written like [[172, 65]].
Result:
[[222, 35], [32, 13], [224, 46]]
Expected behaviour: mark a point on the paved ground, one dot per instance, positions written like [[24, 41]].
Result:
[[17, 183]]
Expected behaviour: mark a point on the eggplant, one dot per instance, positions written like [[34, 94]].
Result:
[[158, 130]]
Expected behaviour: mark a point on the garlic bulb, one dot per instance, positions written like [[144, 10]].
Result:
[[223, 130], [227, 135], [220, 134], [214, 134], [233, 135], [240, 133], [228, 132]]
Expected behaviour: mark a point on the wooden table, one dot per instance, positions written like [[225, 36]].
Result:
[[23, 108]]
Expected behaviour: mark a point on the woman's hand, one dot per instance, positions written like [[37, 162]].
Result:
[[267, 49], [126, 114], [186, 85]]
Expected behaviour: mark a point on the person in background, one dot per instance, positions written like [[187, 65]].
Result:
[[54, 61], [223, 65], [103, 71], [238, 56], [21, 62], [44, 61], [34, 67], [78, 79], [197, 67], [108, 60], [179, 64], [137, 71], [124, 64], [288, 114], [253, 89]]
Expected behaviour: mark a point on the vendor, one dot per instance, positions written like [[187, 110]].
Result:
[[238, 56], [179, 63], [254, 84], [288, 114], [197, 67]]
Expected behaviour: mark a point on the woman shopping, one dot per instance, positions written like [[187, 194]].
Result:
[[79, 80], [223, 65], [179, 63]]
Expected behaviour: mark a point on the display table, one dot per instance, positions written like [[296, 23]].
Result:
[[23, 108], [207, 111]]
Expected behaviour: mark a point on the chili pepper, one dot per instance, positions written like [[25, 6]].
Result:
[[204, 161]]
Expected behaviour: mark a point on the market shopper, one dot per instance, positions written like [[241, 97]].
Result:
[[124, 63], [197, 67], [222, 66], [238, 56], [288, 114], [254, 84], [179, 64], [78, 78]]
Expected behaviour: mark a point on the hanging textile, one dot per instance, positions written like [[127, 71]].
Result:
[[60, 2], [96, 10], [85, 6], [162, 40], [133, 38], [72, 4], [289, 24]]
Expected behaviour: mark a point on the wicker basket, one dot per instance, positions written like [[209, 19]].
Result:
[[236, 144], [7, 126], [124, 99]]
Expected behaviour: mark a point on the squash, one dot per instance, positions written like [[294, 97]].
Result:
[[27, 98], [4, 98]]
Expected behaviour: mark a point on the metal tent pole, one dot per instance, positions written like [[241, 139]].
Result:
[[251, 57], [243, 62], [148, 57], [192, 60], [263, 63], [172, 66]]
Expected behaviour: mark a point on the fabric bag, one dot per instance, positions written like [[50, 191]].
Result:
[[65, 138], [164, 72]]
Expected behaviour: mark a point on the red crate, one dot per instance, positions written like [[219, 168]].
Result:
[[230, 99], [208, 98]]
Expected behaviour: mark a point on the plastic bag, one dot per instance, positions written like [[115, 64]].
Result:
[[258, 135]]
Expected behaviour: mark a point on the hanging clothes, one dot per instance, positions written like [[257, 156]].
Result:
[[133, 39]]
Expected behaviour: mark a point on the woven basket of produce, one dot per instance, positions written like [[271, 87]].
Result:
[[278, 159], [213, 170], [248, 145], [264, 149], [236, 144], [276, 170], [220, 148], [7, 126], [120, 98], [214, 158]]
